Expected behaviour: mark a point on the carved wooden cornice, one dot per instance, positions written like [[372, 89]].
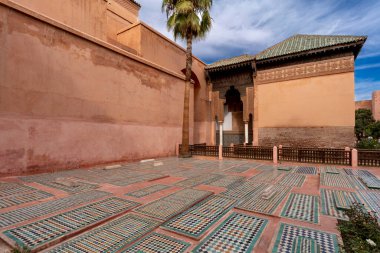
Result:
[[313, 69]]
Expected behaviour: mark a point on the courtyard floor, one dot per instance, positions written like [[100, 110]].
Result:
[[176, 205]]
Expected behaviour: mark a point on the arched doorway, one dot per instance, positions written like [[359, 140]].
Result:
[[233, 126]]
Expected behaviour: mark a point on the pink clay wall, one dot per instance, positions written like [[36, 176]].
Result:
[[66, 101], [99, 18], [155, 47], [376, 105]]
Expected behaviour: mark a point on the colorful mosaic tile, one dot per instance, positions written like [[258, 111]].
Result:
[[328, 243], [138, 179], [202, 179], [371, 182], [292, 179], [158, 243], [169, 206], [372, 199], [7, 189], [349, 171], [68, 185], [305, 245], [238, 233], [335, 180], [243, 168], [359, 185], [247, 188], [39, 233], [147, 191], [22, 198], [227, 181], [32, 212], [329, 202], [268, 177], [285, 168], [266, 167], [330, 170], [109, 238], [195, 221], [301, 207], [306, 170], [261, 203]]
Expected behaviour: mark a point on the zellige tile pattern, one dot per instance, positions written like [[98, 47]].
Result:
[[238, 233], [195, 221], [39, 233]]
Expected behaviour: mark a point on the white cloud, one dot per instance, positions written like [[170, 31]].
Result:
[[368, 66], [249, 26], [364, 88]]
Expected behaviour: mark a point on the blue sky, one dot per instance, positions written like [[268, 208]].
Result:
[[250, 26]]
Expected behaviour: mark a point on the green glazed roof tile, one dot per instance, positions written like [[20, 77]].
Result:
[[301, 43]]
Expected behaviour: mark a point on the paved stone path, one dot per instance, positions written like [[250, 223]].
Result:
[[183, 205]]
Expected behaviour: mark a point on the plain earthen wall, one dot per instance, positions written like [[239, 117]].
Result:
[[315, 111], [66, 101], [98, 18], [163, 52]]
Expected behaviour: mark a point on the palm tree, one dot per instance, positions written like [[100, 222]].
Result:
[[189, 20]]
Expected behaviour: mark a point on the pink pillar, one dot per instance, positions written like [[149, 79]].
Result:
[[177, 149], [275, 158], [354, 158], [220, 152]]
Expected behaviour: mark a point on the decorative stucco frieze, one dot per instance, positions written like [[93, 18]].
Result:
[[319, 68]]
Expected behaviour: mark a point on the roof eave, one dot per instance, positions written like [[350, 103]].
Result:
[[230, 66]]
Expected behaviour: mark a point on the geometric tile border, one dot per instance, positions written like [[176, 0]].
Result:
[[372, 199], [305, 245], [328, 198], [288, 234], [306, 170], [22, 198], [147, 191], [195, 221], [292, 179], [77, 186], [267, 176], [37, 234], [258, 203], [336, 180], [331, 170], [111, 237], [158, 243], [31, 212], [167, 207], [371, 182], [238, 233], [7, 189], [241, 168], [202, 179], [301, 207], [246, 188], [227, 181]]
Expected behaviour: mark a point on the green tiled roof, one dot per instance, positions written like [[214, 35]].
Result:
[[301, 43], [231, 61]]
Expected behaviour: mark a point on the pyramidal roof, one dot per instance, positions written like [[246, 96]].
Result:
[[301, 43]]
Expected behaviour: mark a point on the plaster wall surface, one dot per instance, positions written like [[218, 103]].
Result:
[[66, 101], [308, 102], [99, 18], [376, 105], [154, 47], [316, 111]]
